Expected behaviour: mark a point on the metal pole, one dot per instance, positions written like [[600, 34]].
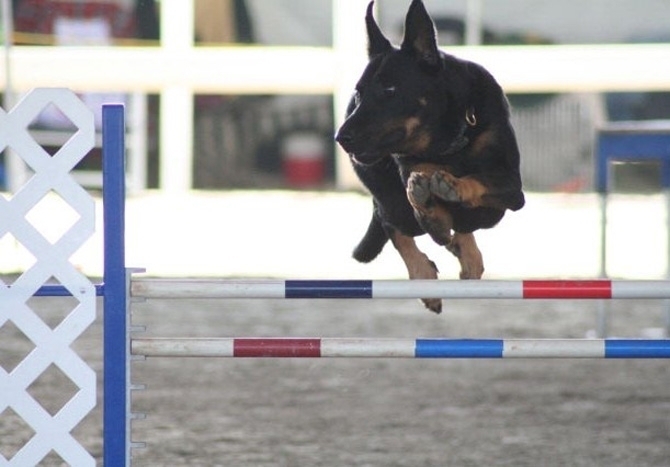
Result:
[[333, 347], [219, 288], [116, 445], [602, 324], [666, 315]]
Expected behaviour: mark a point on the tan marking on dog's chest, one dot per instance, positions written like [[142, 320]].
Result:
[[483, 140], [418, 139], [411, 124]]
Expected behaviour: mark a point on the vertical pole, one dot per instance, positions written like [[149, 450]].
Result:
[[8, 33], [666, 192], [473, 22], [15, 166], [176, 104], [602, 199], [349, 41], [602, 187], [603, 305], [115, 417]]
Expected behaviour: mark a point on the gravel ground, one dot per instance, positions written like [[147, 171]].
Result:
[[381, 412]]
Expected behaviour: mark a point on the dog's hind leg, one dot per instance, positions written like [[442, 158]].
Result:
[[419, 266], [464, 247], [372, 242]]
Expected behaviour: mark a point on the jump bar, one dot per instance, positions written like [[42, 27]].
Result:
[[400, 348], [454, 289], [55, 290]]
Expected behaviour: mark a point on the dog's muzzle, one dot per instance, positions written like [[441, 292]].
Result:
[[360, 155], [344, 139]]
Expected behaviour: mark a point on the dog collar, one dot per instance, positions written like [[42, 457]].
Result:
[[470, 116], [461, 140]]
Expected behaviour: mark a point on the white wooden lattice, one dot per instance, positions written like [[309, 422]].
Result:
[[51, 346]]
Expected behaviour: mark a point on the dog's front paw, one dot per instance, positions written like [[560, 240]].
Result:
[[418, 190], [443, 185]]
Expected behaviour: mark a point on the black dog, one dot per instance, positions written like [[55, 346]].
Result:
[[429, 135]]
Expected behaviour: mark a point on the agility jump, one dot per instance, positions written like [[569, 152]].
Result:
[[119, 328], [119, 287]]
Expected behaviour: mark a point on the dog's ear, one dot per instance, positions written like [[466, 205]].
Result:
[[377, 43], [420, 34]]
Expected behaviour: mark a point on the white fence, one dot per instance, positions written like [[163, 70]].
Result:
[[177, 70], [47, 428]]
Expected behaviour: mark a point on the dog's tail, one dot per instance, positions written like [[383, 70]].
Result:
[[372, 242]]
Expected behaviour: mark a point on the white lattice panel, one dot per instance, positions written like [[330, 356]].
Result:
[[51, 178]]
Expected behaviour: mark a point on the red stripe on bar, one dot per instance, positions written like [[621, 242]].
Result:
[[567, 289], [282, 348]]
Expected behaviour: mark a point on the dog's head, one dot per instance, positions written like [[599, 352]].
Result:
[[405, 102]]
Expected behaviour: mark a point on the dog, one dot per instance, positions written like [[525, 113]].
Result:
[[429, 135]]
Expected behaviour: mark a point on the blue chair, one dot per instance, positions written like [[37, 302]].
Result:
[[633, 141]]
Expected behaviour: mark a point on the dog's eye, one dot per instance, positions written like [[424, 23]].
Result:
[[389, 91]]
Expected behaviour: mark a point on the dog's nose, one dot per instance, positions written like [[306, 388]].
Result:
[[343, 137]]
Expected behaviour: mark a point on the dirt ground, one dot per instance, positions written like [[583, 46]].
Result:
[[383, 412]]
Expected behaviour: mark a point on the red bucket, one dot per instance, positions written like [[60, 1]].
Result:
[[303, 159]]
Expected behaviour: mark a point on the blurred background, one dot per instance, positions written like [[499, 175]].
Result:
[[196, 120], [228, 99]]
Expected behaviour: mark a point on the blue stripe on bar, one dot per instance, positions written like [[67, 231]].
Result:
[[637, 348], [328, 289], [54, 290], [459, 348]]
